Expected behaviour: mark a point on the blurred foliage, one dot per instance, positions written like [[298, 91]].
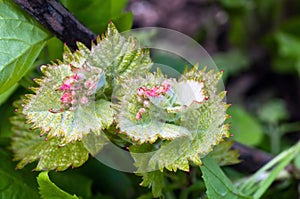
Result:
[[245, 127], [262, 39]]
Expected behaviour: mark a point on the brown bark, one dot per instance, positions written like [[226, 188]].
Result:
[[56, 18], [251, 158]]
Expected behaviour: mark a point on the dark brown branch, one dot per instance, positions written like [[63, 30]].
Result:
[[56, 18], [252, 158]]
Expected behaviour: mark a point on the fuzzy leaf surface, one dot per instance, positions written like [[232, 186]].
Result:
[[54, 109], [155, 180], [204, 121], [224, 155], [28, 146]]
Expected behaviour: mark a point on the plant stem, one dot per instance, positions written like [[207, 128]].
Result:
[[56, 18]]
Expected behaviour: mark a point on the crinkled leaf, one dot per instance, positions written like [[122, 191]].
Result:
[[217, 183], [119, 56], [72, 125], [152, 131], [204, 122], [153, 125], [156, 181], [16, 184], [104, 112], [224, 155], [28, 146], [94, 143], [21, 40], [49, 190], [52, 107]]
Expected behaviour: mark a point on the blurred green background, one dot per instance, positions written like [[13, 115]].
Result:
[[255, 42]]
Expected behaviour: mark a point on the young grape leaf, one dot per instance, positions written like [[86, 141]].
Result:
[[48, 190], [155, 180], [69, 100], [217, 183], [224, 155], [203, 121], [21, 40], [28, 146]]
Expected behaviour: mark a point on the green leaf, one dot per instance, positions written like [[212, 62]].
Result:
[[244, 127], [96, 14], [72, 181], [48, 190], [4, 96], [16, 184], [217, 183], [274, 111], [119, 56], [28, 146], [223, 154], [21, 40], [61, 113], [70, 124], [203, 122], [124, 21], [156, 181], [289, 45], [94, 143], [231, 62]]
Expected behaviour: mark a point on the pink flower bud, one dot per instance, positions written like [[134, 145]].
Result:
[[84, 100], [66, 98], [138, 116], [141, 91], [142, 110], [146, 103]]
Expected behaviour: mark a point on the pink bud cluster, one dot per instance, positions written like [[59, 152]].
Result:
[[144, 93], [78, 88]]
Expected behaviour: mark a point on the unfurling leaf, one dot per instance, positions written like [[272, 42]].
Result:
[[201, 119], [71, 104], [224, 155], [155, 180], [28, 146]]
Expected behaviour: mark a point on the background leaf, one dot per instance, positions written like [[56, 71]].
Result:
[[217, 183], [21, 40], [15, 184], [49, 190], [96, 14], [245, 128]]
